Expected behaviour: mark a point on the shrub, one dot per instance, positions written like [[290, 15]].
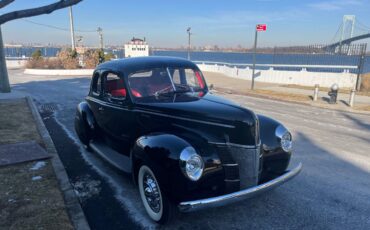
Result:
[[92, 58], [36, 55], [68, 59], [44, 63], [365, 82], [109, 56]]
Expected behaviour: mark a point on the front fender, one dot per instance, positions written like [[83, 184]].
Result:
[[162, 152], [275, 159]]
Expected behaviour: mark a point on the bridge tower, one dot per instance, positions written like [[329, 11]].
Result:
[[348, 27]]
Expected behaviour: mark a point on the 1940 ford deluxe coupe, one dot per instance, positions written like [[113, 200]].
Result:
[[154, 117]]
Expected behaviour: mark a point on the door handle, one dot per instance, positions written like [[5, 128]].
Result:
[[101, 109]]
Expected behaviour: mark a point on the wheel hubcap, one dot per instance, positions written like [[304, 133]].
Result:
[[151, 192]]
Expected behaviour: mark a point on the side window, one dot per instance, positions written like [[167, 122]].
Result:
[[176, 76], [114, 87], [96, 87], [194, 79]]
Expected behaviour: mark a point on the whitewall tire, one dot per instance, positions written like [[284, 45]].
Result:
[[154, 201]]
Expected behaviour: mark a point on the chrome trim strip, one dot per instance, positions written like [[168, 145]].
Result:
[[234, 145], [236, 180], [195, 205], [229, 165], [163, 115]]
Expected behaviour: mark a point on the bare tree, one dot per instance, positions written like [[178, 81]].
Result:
[[47, 9]]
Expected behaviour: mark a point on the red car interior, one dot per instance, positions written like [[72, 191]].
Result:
[[117, 89]]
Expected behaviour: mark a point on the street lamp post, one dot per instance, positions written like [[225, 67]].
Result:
[[189, 41]]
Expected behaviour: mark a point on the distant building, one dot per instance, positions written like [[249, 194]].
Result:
[[136, 48]]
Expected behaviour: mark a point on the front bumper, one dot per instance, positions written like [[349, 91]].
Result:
[[195, 205]]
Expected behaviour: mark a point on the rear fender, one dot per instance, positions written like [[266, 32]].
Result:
[[85, 124], [84, 112]]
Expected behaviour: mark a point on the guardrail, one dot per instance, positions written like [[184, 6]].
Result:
[[307, 75], [16, 58], [279, 65]]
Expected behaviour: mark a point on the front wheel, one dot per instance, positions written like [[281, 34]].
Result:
[[155, 202]]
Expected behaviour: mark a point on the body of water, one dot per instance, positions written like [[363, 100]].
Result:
[[291, 59]]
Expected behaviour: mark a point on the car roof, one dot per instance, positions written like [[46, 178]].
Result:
[[135, 64]]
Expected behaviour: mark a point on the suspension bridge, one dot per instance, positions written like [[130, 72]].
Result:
[[350, 30]]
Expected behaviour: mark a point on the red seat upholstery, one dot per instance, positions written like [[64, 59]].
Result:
[[118, 93]]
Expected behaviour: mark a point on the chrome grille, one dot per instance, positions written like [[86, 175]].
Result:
[[248, 161], [241, 165]]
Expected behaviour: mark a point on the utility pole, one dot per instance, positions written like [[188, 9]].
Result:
[[189, 41], [100, 31], [72, 28]]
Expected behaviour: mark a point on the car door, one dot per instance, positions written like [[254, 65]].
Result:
[[116, 112], [95, 97]]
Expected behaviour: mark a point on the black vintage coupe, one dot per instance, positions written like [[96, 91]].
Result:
[[154, 117]]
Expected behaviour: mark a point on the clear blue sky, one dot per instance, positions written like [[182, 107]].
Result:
[[164, 22]]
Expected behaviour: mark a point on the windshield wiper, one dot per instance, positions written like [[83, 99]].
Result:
[[183, 88]]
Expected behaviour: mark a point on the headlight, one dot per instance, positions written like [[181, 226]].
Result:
[[191, 163], [285, 138]]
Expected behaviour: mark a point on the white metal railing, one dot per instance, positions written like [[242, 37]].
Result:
[[279, 65], [17, 58]]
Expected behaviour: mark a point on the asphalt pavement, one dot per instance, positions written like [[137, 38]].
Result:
[[332, 191]]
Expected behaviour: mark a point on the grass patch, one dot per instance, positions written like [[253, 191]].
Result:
[[283, 96], [27, 203], [268, 94], [365, 83], [365, 87], [17, 123], [363, 108]]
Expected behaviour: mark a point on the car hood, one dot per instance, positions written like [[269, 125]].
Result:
[[208, 110]]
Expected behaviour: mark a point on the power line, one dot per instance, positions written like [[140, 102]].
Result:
[[56, 27]]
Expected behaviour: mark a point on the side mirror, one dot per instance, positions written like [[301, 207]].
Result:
[[211, 87]]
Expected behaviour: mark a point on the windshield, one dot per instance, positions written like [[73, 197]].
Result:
[[165, 81]]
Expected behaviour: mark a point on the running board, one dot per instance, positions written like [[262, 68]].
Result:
[[116, 159]]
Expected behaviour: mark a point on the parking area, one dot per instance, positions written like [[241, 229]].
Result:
[[332, 191]]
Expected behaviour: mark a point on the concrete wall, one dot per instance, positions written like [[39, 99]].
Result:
[[302, 77], [64, 72], [15, 64]]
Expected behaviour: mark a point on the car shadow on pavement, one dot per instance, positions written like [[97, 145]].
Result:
[[328, 191], [358, 122]]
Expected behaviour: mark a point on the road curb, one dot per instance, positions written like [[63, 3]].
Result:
[[73, 206]]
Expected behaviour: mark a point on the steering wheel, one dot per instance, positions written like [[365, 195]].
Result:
[[156, 93]]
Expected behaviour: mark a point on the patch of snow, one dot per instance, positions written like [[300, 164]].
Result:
[[38, 165], [35, 178], [86, 187], [125, 192]]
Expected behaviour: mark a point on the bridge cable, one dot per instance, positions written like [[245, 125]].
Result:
[[336, 34]]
